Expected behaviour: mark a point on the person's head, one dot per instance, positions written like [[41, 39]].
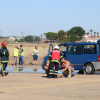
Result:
[[21, 46], [3, 44], [17, 46], [35, 47], [63, 60], [56, 47]]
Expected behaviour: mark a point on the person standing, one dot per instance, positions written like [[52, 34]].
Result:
[[55, 57], [4, 53], [16, 55], [19, 56], [35, 54], [21, 52]]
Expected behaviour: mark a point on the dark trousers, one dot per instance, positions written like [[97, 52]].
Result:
[[56, 68], [20, 62], [4, 66]]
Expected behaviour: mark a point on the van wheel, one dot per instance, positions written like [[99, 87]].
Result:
[[89, 68]]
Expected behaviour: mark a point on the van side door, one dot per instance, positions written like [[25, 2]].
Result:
[[74, 55], [90, 53]]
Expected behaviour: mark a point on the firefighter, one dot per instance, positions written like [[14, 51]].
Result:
[[67, 68], [16, 55], [4, 53], [47, 68], [55, 57]]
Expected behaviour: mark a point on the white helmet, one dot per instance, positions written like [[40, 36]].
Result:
[[56, 47]]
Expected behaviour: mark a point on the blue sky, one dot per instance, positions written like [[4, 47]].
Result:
[[35, 17]]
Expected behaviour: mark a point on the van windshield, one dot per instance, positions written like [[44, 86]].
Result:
[[62, 48]]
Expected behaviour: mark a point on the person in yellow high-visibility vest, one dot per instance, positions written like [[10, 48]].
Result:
[[35, 54], [21, 52], [16, 55], [19, 56]]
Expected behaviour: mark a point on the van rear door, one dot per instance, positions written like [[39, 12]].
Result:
[[46, 57], [99, 45]]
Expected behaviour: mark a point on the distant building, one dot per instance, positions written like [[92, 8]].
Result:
[[12, 38], [90, 40], [15, 37], [87, 38], [18, 38]]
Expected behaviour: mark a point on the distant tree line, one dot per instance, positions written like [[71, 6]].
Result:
[[72, 35], [96, 34], [28, 38]]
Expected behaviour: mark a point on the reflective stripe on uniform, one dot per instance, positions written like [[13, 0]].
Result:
[[55, 61], [51, 71], [2, 68], [50, 55], [56, 72], [61, 56], [56, 51], [4, 61]]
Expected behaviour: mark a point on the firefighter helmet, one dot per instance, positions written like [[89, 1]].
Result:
[[56, 47], [3, 44]]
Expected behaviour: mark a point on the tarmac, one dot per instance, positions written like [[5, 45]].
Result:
[[35, 86]]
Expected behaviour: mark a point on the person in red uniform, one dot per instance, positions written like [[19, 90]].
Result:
[[55, 57], [67, 68]]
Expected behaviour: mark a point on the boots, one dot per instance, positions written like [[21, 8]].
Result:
[[1, 72], [6, 73]]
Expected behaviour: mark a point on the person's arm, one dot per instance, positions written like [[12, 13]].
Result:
[[61, 55], [7, 53], [50, 55], [33, 51], [38, 52], [0, 52], [67, 64], [64, 69], [21, 50]]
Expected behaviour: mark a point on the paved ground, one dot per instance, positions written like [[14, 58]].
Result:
[[30, 86]]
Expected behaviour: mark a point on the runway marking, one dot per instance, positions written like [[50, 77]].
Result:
[[49, 85]]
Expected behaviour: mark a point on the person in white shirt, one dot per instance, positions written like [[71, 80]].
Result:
[[35, 55]]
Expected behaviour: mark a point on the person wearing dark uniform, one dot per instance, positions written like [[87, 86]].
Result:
[[4, 53], [55, 57]]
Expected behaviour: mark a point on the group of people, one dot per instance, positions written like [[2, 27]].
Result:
[[18, 56], [52, 66]]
